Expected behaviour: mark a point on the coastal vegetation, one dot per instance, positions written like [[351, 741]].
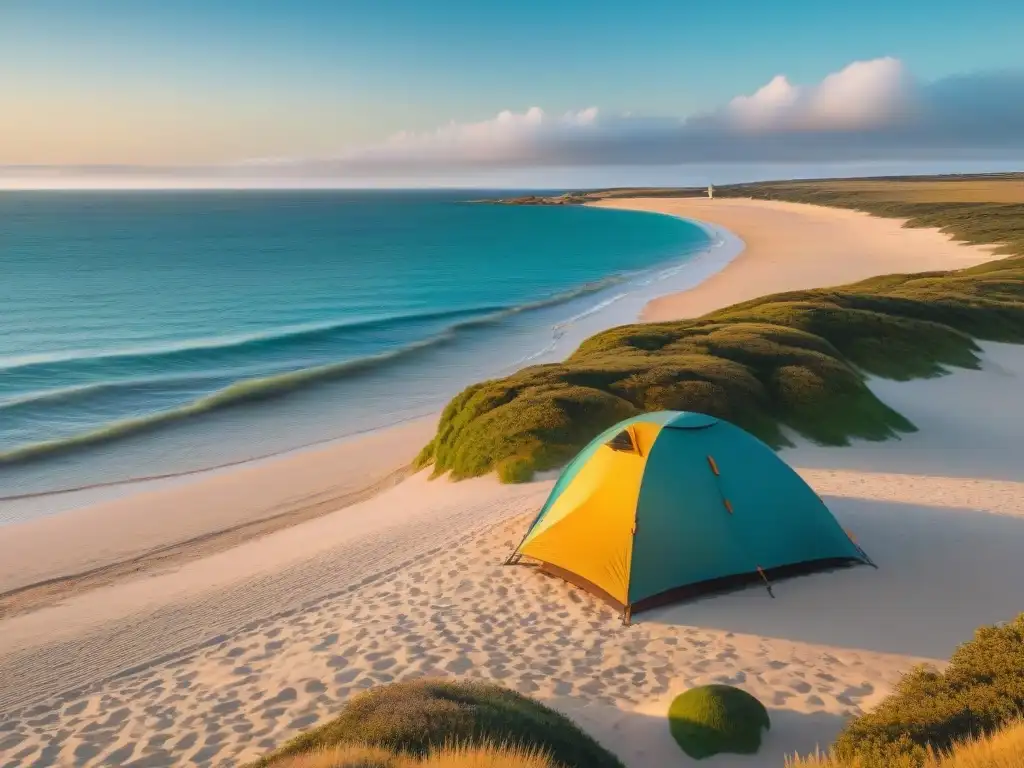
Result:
[[414, 719], [1002, 749], [359, 756], [794, 360], [711, 719], [968, 715], [980, 691]]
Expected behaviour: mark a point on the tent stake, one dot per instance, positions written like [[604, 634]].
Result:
[[767, 583]]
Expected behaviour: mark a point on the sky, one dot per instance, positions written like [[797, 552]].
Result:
[[254, 92]]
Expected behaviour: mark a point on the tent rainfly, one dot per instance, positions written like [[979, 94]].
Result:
[[670, 505]]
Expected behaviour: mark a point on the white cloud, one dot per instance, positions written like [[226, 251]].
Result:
[[508, 137], [767, 107], [868, 111], [864, 95]]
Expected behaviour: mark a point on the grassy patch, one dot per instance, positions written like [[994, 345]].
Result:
[[361, 756], [980, 691], [420, 717], [794, 359], [1003, 748], [711, 719]]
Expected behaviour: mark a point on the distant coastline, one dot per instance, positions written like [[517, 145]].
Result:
[[834, 192], [568, 198]]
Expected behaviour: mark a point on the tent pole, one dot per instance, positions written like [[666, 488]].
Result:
[[865, 555], [767, 583]]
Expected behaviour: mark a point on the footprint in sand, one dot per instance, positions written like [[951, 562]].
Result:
[[779, 698], [854, 692], [314, 686]]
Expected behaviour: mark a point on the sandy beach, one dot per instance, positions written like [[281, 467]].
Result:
[[206, 622], [790, 246]]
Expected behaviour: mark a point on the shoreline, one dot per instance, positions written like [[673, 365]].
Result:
[[574, 315], [147, 531], [26, 585], [217, 657]]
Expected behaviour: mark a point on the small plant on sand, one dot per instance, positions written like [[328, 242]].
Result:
[[416, 718], [1002, 749], [981, 690], [711, 719]]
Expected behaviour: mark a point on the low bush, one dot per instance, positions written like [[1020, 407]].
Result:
[[711, 719], [416, 718], [980, 691], [1002, 749]]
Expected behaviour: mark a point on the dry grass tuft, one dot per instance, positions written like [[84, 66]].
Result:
[[359, 756], [415, 719], [1003, 749], [486, 757]]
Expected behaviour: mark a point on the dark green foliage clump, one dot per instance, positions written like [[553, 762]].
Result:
[[414, 717], [793, 359], [717, 718], [981, 691]]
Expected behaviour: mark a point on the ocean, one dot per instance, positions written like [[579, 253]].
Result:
[[147, 334]]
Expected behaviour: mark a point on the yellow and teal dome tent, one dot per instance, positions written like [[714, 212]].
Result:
[[669, 505]]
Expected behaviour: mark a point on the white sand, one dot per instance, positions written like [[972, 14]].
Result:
[[792, 246], [159, 528], [209, 659]]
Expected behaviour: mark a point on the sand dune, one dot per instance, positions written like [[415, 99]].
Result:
[[211, 659]]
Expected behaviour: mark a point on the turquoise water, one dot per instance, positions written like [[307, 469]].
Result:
[[154, 333]]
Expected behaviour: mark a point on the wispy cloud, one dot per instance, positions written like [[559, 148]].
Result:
[[868, 111]]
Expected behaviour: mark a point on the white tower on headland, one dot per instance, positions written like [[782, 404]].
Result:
[[711, 190]]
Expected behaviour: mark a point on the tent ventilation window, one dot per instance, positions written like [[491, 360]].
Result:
[[622, 442]]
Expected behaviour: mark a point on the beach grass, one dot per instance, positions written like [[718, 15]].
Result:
[[794, 360], [980, 691], [362, 756], [1003, 748], [418, 718]]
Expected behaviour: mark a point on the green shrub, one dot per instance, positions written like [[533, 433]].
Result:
[[414, 717], [711, 719], [1003, 748], [981, 690]]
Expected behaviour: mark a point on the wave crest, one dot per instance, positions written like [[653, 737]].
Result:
[[266, 387]]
